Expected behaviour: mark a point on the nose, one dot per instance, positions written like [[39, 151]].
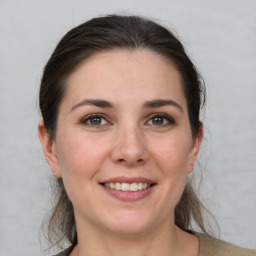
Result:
[[129, 147]]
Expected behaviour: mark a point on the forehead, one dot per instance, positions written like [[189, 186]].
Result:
[[129, 74]]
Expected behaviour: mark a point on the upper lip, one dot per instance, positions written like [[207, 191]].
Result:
[[129, 180]]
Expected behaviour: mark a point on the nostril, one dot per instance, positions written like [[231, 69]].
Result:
[[120, 160], [123, 161]]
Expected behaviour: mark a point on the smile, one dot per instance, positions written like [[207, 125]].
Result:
[[133, 187], [128, 189]]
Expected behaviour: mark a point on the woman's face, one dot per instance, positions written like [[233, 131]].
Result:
[[123, 145]]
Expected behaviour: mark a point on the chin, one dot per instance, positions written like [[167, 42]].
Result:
[[130, 224], [127, 230]]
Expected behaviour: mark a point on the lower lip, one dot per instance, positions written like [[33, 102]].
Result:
[[128, 196]]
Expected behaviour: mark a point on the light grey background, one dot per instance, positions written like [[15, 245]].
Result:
[[219, 35]]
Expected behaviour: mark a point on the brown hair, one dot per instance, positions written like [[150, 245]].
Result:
[[103, 34]]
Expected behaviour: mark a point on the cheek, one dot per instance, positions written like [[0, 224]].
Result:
[[80, 160], [80, 156], [171, 157], [172, 154]]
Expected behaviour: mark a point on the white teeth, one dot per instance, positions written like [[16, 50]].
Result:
[[127, 187], [118, 186], [134, 187]]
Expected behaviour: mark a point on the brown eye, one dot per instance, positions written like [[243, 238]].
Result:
[[94, 120], [158, 120]]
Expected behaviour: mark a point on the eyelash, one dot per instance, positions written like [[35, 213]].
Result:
[[85, 120], [170, 120], [90, 117]]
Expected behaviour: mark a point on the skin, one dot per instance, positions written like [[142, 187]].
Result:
[[126, 142]]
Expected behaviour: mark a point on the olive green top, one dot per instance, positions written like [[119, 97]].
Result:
[[209, 246]]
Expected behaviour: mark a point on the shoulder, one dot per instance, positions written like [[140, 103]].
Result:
[[210, 246]]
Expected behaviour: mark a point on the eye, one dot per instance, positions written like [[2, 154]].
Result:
[[160, 120], [94, 120]]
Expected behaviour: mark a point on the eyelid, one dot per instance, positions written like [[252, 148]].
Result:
[[86, 118], [167, 117], [170, 119]]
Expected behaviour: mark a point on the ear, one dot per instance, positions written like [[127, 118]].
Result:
[[49, 148], [195, 149]]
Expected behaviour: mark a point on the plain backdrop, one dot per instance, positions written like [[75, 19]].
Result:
[[220, 37]]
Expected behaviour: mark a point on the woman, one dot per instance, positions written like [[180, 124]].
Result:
[[120, 101]]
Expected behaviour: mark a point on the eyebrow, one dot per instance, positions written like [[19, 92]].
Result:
[[148, 104], [95, 102], [161, 103]]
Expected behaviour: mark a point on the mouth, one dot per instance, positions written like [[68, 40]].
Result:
[[128, 187]]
